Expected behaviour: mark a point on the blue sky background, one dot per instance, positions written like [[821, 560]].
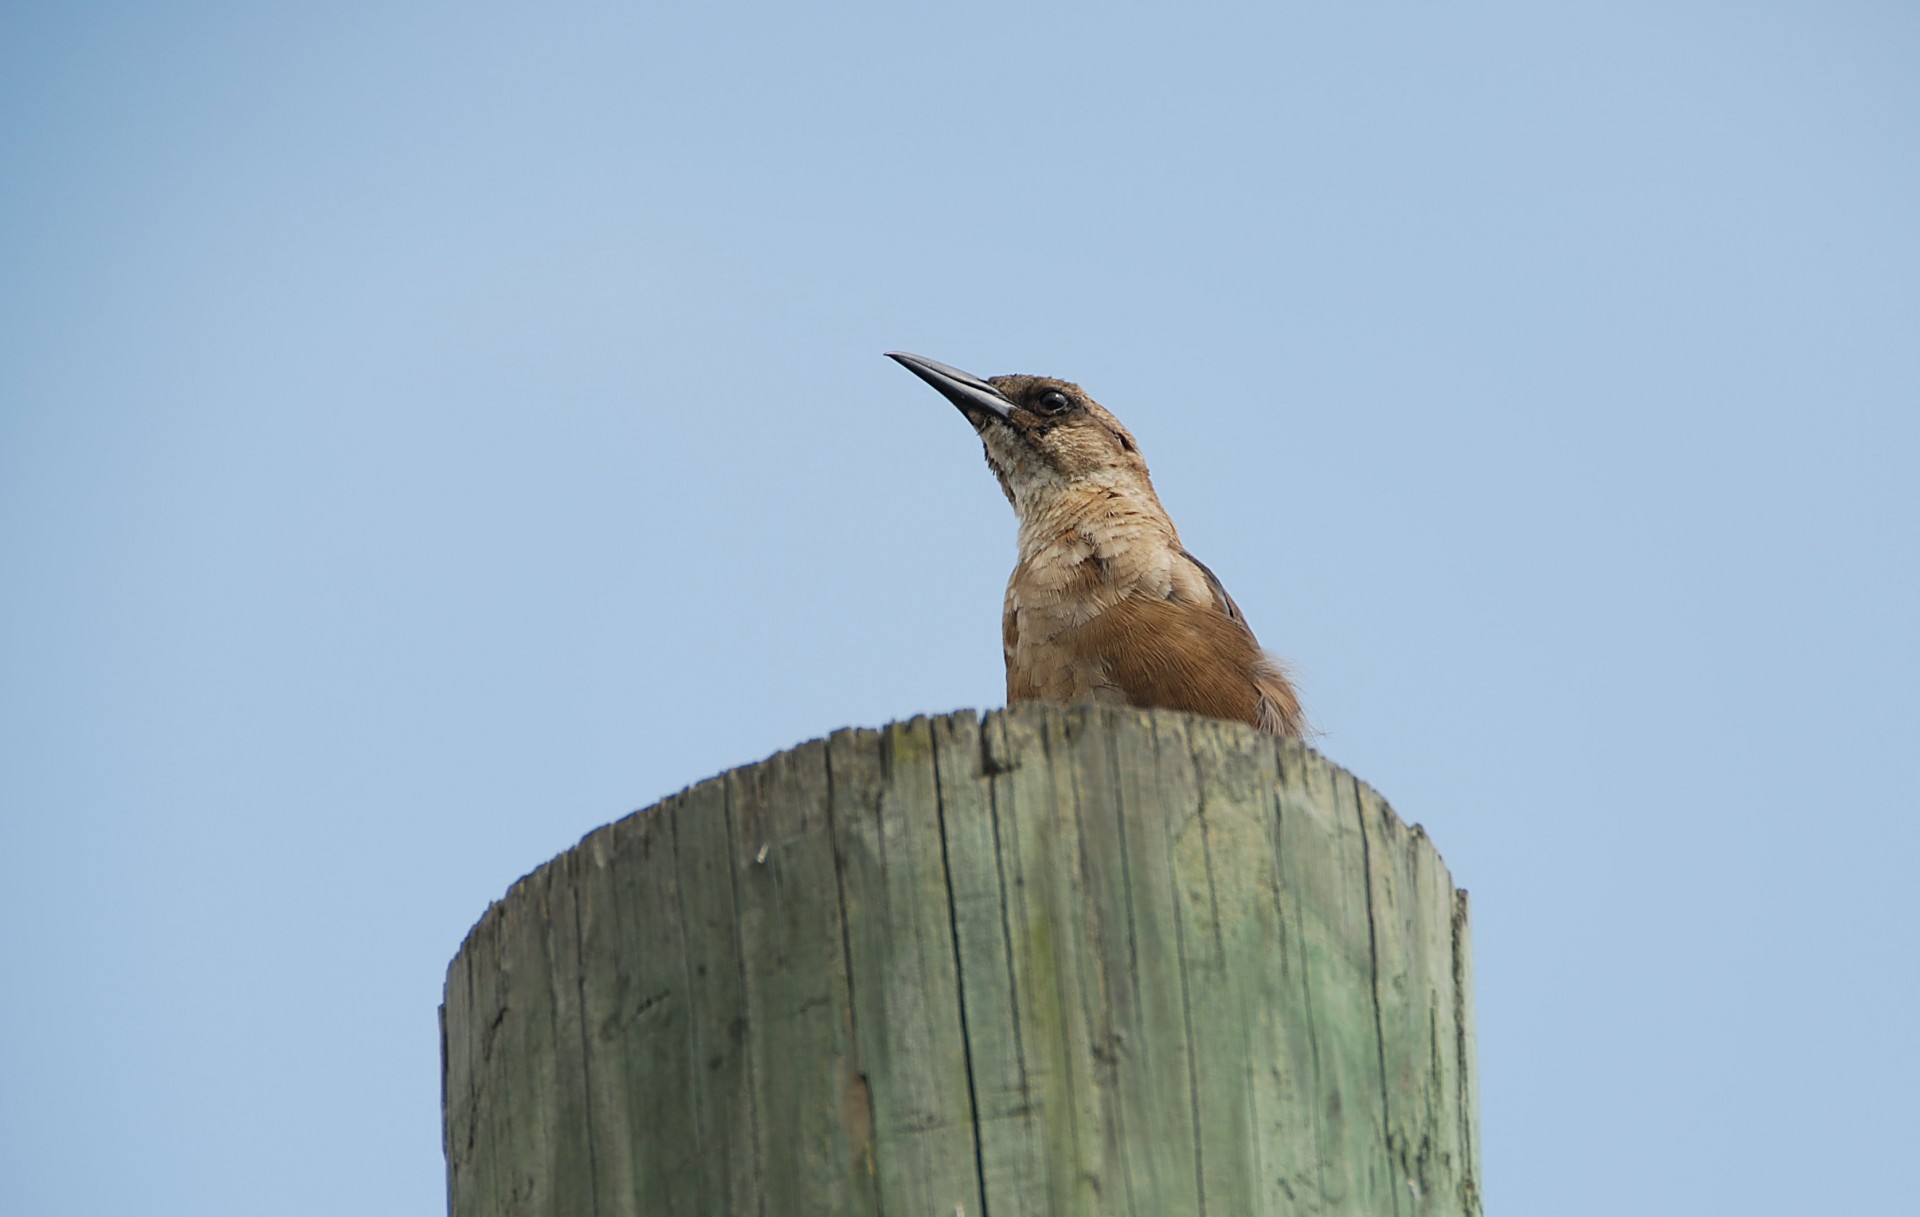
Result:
[[428, 432]]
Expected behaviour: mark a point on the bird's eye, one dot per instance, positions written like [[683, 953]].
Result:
[[1053, 401]]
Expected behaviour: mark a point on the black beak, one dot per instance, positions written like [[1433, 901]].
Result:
[[977, 399]]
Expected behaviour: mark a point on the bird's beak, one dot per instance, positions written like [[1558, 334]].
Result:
[[977, 399]]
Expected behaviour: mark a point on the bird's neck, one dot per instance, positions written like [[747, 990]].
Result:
[[1119, 525]]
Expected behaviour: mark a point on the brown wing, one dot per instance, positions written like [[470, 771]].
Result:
[[1200, 659]]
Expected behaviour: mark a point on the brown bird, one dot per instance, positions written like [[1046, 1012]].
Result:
[[1105, 604]]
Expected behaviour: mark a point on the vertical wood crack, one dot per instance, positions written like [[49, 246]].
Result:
[[1291, 923], [1463, 1102], [1186, 975], [960, 982], [846, 952], [740, 960], [586, 1038], [1394, 1152], [696, 1075]]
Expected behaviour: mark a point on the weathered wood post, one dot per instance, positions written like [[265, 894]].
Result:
[[1065, 961]]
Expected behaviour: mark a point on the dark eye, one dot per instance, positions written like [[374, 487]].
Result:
[[1053, 401]]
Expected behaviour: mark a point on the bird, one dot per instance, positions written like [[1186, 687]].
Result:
[[1105, 604]]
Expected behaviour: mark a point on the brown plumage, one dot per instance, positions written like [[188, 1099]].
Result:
[[1105, 604]]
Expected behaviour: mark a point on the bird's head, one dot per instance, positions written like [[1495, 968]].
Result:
[[1045, 438]]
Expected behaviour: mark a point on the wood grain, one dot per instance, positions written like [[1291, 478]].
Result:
[[1058, 961]]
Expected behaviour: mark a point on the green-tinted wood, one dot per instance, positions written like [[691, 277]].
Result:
[[1129, 819], [1401, 1006], [1080, 961], [1063, 1025], [906, 999], [573, 1175], [598, 998], [1012, 1148], [727, 1168], [634, 991], [1253, 1132], [534, 1109], [466, 1065], [1466, 1106], [813, 1104], [1412, 917]]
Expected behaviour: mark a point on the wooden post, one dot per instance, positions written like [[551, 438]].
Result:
[[1062, 961]]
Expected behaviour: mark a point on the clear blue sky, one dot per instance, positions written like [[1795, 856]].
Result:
[[428, 432]]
